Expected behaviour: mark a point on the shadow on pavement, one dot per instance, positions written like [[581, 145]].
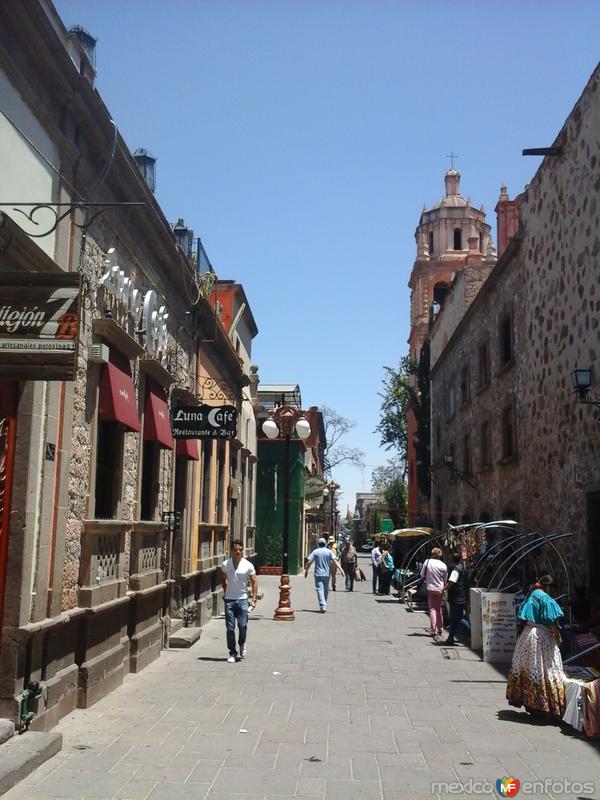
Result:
[[211, 658], [309, 611]]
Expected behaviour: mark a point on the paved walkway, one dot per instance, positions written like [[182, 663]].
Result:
[[355, 703]]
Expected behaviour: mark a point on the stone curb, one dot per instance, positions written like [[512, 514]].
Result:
[[20, 756]]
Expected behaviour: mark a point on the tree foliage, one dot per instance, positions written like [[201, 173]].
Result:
[[388, 481], [336, 452], [404, 389]]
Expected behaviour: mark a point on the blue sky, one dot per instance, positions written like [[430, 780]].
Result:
[[301, 138]]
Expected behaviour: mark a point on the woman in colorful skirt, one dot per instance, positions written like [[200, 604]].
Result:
[[536, 677]]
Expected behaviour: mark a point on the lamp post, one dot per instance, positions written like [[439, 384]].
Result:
[[329, 491], [283, 421]]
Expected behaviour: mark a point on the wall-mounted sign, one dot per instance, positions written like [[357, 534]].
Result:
[[39, 325], [125, 301], [204, 422]]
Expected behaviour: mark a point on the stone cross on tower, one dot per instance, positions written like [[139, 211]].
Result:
[[452, 156]]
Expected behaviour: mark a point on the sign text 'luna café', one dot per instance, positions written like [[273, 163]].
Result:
[[204, 422]]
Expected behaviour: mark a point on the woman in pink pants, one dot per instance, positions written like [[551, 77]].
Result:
[[435, 573]]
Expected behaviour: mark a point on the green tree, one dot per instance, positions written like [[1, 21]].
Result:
[[405, 388], [388, 481]]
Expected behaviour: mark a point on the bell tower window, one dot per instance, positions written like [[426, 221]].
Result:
[[457, 239], [431, 243]]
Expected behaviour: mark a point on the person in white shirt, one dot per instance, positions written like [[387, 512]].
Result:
[[435, 573], [235, 574], [376, 564]]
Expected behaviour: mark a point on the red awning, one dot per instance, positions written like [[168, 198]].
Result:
[[157, 420], [188, 448], [117, 394]]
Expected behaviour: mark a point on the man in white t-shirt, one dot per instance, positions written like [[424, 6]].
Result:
[[235, 574]]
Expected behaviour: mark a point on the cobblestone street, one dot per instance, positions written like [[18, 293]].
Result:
[[354, 703]]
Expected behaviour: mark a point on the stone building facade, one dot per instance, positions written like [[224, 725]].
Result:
[[518, 442], [450, 235], [111, 532]]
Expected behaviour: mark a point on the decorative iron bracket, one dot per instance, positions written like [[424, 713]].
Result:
[[212, 389], [90, 211]]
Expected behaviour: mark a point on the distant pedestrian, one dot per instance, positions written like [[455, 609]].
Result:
[[458, 589], [235, 574], [376, 564], [349, 561], [435, 573], [322, 558], [387, 571], [334, 564]]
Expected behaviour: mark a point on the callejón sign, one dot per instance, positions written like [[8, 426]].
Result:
[[39, 325], [204, 422]]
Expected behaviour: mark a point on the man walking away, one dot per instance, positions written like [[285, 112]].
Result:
[[349, 559], [322, 558], [458, 587], [376, 563], [235, 574]]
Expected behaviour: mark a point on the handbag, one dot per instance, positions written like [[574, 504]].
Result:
[[357, 576]]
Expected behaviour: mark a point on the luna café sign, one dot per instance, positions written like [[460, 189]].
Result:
[[39, 325], [204, 422]]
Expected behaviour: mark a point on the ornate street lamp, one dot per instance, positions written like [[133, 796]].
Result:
[[329, 491], [283, 422]]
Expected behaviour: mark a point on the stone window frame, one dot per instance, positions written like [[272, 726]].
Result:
[[451, 400], [221, 501], [467, 461], [508, 433], [506, 347], [485, 445], [483, 365], [465, 385], [150, 462], [206, 479], [118, 435]]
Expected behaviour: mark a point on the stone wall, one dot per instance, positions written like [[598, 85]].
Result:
[[549, 283], [561, 268]]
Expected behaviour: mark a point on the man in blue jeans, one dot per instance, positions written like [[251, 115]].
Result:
[[322, 557], [235, 574]]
